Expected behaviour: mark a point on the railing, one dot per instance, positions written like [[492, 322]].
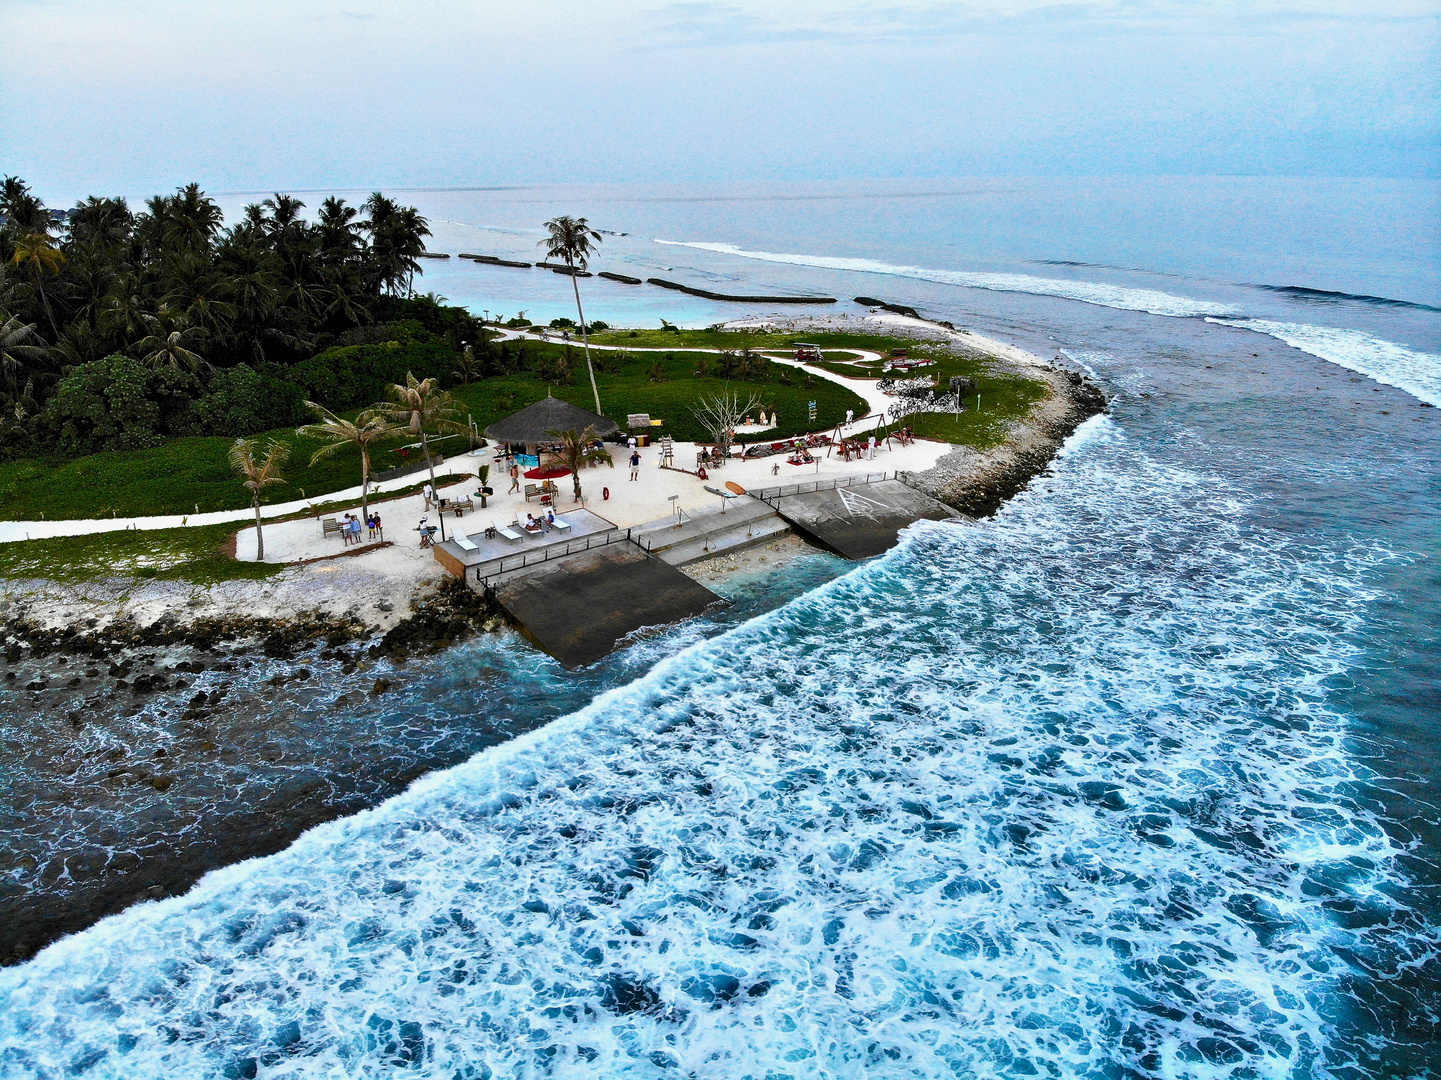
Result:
[[493, 568], [772, 496]]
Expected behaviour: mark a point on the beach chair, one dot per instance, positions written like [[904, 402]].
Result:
[[560, 526], [464, 542], [506, 531]]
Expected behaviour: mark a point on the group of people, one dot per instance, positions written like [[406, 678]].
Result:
[[352, 526], [538, 525]]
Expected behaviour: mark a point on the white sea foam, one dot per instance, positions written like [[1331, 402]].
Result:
[[1048, 795], [1417, 373], [1101, 293]]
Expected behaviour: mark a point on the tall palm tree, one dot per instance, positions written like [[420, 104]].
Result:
[[577, 449], [364, 432], [417, 405], [570, 239], [258, 474], [37, 253]]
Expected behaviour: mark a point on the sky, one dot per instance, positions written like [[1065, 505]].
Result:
[[136, 96]]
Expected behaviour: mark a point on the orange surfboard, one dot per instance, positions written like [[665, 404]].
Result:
[[731, 485]]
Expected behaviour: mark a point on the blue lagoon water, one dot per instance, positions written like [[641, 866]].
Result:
[[1137, 778]]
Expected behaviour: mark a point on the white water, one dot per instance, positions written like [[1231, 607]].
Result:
[[1103, 294], [1039, 795], [1417, 373]]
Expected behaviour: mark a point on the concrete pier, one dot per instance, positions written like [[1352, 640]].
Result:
[[580, 607], [856, 520]]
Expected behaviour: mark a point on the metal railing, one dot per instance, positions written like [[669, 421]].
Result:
[[772, 496], [492, 569]]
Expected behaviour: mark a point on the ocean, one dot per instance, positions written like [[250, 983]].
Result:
[[1136, 778]]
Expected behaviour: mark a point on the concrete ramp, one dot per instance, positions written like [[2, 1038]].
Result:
[[579, 608], [857, 521]]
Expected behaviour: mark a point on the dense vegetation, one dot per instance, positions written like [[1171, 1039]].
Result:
[[119, 330]]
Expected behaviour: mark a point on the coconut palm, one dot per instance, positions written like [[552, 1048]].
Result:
[[15, 350], [171, 346], [570, 239], [364, 432], [418, 405], [577, 449], [37, 253], [258, 474]]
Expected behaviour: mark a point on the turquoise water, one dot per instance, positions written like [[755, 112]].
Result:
[[1135, 779]]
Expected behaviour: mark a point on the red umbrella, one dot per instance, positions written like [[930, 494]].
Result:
[[547, 472]]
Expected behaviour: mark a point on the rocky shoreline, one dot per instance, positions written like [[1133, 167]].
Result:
[[152, 747], [977, 483]]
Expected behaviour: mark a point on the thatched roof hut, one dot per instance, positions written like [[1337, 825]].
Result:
[[532, 424]]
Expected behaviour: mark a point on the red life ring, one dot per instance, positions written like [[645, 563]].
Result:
[[701, 473], [605, 493]]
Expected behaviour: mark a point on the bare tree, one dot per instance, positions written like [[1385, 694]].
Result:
[[720, 413]]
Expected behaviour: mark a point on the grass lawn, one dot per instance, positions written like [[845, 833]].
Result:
[[196, 554], [630, 390]]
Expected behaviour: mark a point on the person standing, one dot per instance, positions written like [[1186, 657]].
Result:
[[514, 478], [850, 416], [871, 448], [634, 464]]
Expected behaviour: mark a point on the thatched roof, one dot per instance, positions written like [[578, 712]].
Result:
[[532, 423]]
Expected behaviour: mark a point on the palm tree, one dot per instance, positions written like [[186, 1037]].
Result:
[[577, 449], [414, 407], [14, 350], [36, 252], [570, 239], [171, 347], [364, 432], [258, 475]]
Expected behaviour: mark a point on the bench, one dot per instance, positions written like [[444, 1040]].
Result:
[[456, 506], [332, 527], [507, 532], [464, 542], [531, 491]]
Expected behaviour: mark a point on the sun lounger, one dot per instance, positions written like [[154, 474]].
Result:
[[464, 542], [507, 532], [561, 526]]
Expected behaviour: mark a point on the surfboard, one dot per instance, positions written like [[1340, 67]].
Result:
[[733, 486]]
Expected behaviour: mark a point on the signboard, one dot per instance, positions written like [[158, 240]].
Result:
[[811, 405]]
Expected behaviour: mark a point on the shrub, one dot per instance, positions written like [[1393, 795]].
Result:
[[562, 324], [352, 376], [104, 405]]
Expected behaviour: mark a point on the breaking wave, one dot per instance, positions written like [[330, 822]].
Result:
[[1061, 794], [1417, 373], [1100, 293]]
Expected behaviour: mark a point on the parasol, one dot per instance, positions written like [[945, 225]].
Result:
[[547, 472]]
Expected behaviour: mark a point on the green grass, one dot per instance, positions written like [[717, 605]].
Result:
[[630, 390], [1003, 399], [197, 554]]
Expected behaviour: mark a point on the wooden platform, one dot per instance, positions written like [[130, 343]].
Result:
[[579, 608], [858, 521]]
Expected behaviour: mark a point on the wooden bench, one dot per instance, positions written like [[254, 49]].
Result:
[[531, 491], [457, 506], [332, 527]]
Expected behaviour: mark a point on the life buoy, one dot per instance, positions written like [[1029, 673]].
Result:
[[605, 494], [702, 473]]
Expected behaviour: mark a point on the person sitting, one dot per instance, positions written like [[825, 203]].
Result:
[[531, 525]]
